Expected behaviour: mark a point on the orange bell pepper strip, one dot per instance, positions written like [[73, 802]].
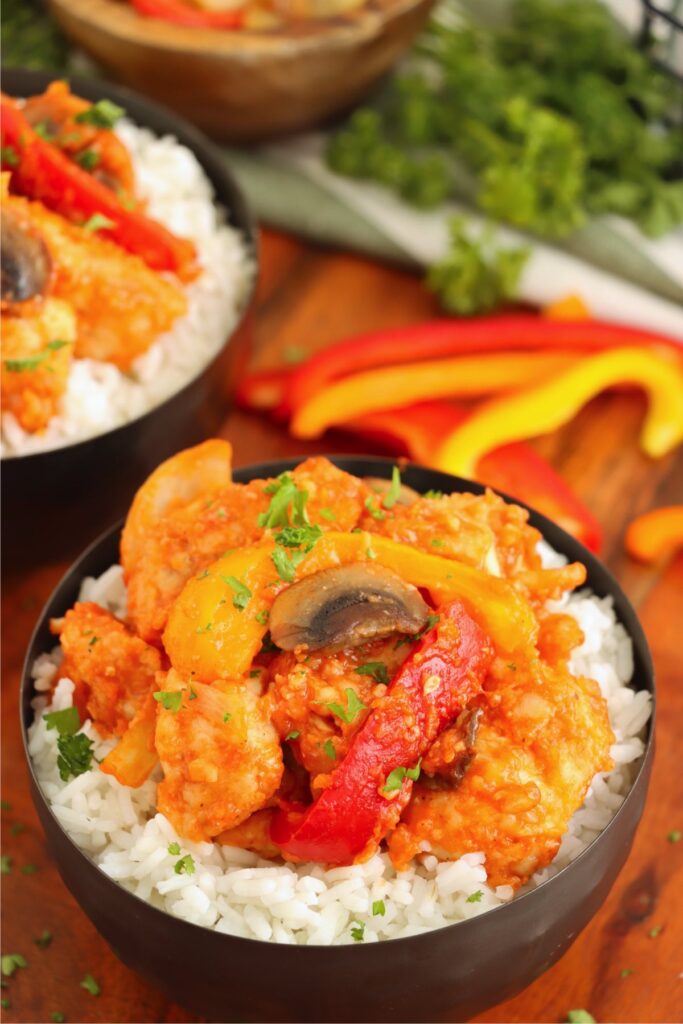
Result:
[[368, 790], [42, 171], [515, 469], [209, 636], [395, 386], [571, 307], [553, 403], [655, 534]]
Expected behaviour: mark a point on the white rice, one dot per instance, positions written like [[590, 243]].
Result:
[[99, 396], [237, 892]]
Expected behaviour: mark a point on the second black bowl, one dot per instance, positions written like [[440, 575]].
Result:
[[55, 500], [448, 974]]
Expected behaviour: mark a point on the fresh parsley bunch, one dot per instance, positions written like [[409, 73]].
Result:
[[545, 121]]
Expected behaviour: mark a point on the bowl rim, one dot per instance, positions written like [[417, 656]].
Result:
[[125, 24], [19, 81], [458, 485]]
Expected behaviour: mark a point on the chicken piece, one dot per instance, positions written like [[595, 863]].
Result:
[[309, 694], [542, 736], [97, 150], [122, 306], [188, 514], [113, 669], [220, 755], [482, 531], [37, 349]]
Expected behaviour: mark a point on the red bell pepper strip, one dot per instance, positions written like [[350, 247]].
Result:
[[41, 171], [516, 469], [263, 390], [182, 14], [364, 799], [443, 338]]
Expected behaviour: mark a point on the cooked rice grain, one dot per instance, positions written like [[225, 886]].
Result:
[[236, 892]]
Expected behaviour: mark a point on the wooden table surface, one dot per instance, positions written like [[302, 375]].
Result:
[[309, 298]]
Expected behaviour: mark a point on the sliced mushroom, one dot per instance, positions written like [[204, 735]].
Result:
[[25, 261], [344, 607], [406, 495]]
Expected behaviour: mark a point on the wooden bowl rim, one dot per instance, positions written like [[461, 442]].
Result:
[[119, 20]]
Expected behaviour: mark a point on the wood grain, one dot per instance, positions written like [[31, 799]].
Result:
[[307, 299]]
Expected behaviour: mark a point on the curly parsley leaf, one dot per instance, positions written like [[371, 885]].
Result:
[[185, 866], [377, 669], [90, 985], [395, 778], [353, 708], [75, 755], [170, 700], [103, 114], [66, 722]]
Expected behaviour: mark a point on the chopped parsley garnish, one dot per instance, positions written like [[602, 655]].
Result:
[[93, 640], [654, 932], [395, 778], [9, 156], [5, 864], [328, 747], [378, 908], [294, 735], [376, 669], [437, 542], [75, 755], [580, 1017], [227, 716], [429, 624], [10, 962], [58, 1017], [203, 575], [241, 593], [286, 565], [88, 159], [204, 629], [171, 700], [174, 849], [511, 666], [287, 504], [433, 494], [75, 749], [353, 708], [675, 836], [29, 869], [394, 492], [42, 129], [262, 616], [376, 513], [474, 897], [90, 985], [358, 932], [44, 940], [193, 693], [97, 222], [5, 1003], [103, 114], [327, 513], [31, 362], [185, 866], [299, 536], [255, 673], [17, 829], [625, 972]]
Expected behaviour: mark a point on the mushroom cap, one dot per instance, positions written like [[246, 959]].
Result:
[[25, 262], [344, 607]]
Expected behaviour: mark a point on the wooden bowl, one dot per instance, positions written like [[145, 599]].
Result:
[[243, 85]]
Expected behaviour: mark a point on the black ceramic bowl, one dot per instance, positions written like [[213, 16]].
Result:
[[448, 974], [54, 501]]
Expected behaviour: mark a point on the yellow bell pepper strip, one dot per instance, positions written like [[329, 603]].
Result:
[[395, 386], [553, 403], [133, 758], [213, 633], [656, 534]]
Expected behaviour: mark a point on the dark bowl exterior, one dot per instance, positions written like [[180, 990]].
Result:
[[449, 974], [87, 485]]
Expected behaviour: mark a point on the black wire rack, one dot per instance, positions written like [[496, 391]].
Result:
[[661, 34]]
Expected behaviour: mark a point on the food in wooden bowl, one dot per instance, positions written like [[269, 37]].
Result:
[[128, 265], [251, 82], [363, 716]]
